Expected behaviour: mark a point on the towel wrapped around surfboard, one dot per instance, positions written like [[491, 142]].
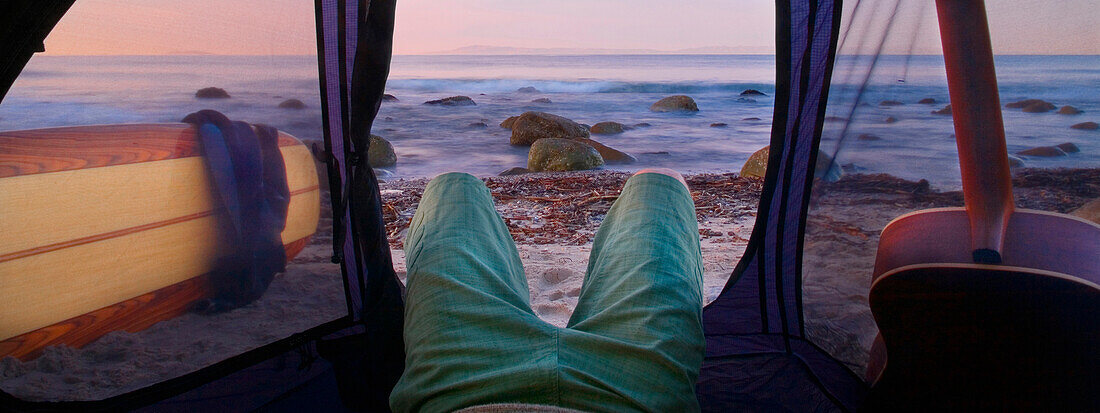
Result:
[[117, 227]]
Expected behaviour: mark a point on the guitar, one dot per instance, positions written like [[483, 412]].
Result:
[[986, 307]]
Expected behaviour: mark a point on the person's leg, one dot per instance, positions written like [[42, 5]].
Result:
[[471, 337], [636, 334]]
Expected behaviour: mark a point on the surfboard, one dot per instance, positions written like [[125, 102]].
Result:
[[113, 227]]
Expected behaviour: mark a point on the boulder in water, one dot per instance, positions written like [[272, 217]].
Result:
[[1039, 107], [677, 103], [891, 119], [719, 125], [752, 92], [381, 154], [212, 93], [927, 101], [542, 100], [453, 101], [607, 128], [1086, 126], [477, 125], [609, 154], [292, 104], [750, 119], [1068, 110], [555, 154], [1068, 147], [1042, 151], [386, 97], [757, 164], [507, 123], [642, 125], [533, 126], [868, 137], [945, 111], [1015, 162], [528, 89], [831, 118], [890, 103], [1020, 104]]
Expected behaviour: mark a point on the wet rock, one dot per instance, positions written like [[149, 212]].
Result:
[[381, 154], [1039, 107], [1015, 162], [1068, 147], [1068, 110], [292, 104], [514, 171], [642, 125], [507, 123], [750, 119], [835, 119], [1090, 211], [868, 137], [389, 118], [1086, 126], [757, 164], [212, 93], [607, 128], [890, 103], [386, 97], [533, 126], [1042, 151], [1021, 104], [945, 111], [927, 101], [752, 92], [528, 89], [609, 154], [890, 119], [719, 125], [542, 100], [554, 154], [476, 125], [453, 101], [746, 100], [678, 103]]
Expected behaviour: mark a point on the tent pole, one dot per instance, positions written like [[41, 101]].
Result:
[[979, 129]]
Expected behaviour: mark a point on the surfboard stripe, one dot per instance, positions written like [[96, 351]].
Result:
[[113, 234], [40, 151]]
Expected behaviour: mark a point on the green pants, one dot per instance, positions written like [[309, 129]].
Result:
[[634, 343]]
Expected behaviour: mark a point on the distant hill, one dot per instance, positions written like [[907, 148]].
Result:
[[504, 50]]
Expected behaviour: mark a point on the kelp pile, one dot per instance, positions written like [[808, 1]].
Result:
[[567, 208]]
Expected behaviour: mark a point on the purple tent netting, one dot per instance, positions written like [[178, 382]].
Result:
[[757, 353]]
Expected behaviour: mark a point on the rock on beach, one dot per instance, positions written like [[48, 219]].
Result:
[[757, 164], [381, 154], [559, 155], [1043, 151], [677, 103], [609, 154], [533, 126]]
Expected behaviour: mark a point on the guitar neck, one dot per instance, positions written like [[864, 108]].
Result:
[[979, 129]]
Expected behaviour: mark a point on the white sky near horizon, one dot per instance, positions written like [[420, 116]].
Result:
[[112, 27]]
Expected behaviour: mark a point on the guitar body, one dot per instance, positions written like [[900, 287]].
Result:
[[1021, 335]]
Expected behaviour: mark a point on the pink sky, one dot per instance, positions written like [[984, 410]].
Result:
[[426, 26]]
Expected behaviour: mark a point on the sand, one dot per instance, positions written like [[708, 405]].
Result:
[[553, 218]]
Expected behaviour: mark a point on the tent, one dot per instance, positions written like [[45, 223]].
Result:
[[760, 356]]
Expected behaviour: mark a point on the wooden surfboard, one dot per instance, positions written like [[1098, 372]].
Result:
[[112, 227]]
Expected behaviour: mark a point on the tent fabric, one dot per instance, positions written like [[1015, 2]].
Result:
[[760, 310], [758, 356], [24, 24]]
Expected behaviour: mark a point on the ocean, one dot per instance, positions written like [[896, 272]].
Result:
[[81, 90]]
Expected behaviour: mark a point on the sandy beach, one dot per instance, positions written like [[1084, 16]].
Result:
[[553, 218]]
